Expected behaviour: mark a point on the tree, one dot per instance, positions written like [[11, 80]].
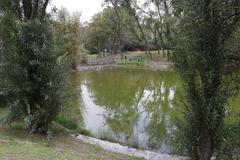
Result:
[[207, 58], [67, 35], [102, 33], [162, 20], [129, 5], [117, 11], [27, 9], [32, 73], [155, 20]]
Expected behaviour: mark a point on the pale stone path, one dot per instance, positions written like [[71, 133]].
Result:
[[117, 148]]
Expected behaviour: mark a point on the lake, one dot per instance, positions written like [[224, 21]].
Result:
[[134, 107]]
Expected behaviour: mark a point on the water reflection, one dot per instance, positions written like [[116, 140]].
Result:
[[134, 107]]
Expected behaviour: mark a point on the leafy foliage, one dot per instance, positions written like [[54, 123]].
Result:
[[72, 125], [66, 123], [204, 59], [26, 10], [103, 32], [33, 75], [67, 35]]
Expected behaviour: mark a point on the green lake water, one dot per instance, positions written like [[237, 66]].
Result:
[[134, 107]]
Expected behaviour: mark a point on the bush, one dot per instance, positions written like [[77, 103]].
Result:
[[83, 131], [66, 123], [36, 77], [69, 124], [17, 126], [230, 147]]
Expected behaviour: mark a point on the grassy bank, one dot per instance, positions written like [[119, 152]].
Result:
[[132, 64], [136, 60], [17, 144]]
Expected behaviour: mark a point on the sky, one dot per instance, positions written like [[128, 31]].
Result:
[[87, 7]]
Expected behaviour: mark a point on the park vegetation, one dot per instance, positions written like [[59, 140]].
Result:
[[207, 58], [35, 61], [201, 37], [130, 25]]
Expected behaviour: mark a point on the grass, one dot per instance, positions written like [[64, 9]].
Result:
[[133, 64], [157, 59], [70, 116], [17, 144], [143, 54], [83, 131], [71, 125], [155, 56], [2, 111]]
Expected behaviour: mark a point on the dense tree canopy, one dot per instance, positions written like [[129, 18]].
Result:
[[26, 9], [207, 58], [102, 32], [32, 76], [202, 37]]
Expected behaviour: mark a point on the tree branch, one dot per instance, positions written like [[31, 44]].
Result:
[[27, 8], [35, 10], [44, 10]]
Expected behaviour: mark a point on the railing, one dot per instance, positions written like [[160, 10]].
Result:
[[100, 61]]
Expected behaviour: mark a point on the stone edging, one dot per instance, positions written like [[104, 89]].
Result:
[[117, 148]]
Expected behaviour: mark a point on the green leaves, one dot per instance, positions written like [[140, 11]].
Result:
[[67, 35], [200, 59], [28, 72]]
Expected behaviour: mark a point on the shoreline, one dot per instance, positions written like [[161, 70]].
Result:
[[154, 67], [118, 148]]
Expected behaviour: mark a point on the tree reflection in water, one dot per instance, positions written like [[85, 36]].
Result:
[[137, 105]]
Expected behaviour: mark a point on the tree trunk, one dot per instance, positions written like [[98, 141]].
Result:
[[164, 54], [119, 28], [43, 14], [162, 42], [35, 9], [160, 31], [147, 50], [206, 145], [168, 30], [168, 54], [27, 9]]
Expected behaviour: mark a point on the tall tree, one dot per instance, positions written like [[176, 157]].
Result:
[[67, 35], [207, 58], [31, 71], [27, 9], [130, 8], [129, 4], [103, 32], [117, 11]]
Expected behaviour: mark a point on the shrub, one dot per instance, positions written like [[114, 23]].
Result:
[[83, 131], [66, 123], [70, 124], [35, 76], [17, 126]]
